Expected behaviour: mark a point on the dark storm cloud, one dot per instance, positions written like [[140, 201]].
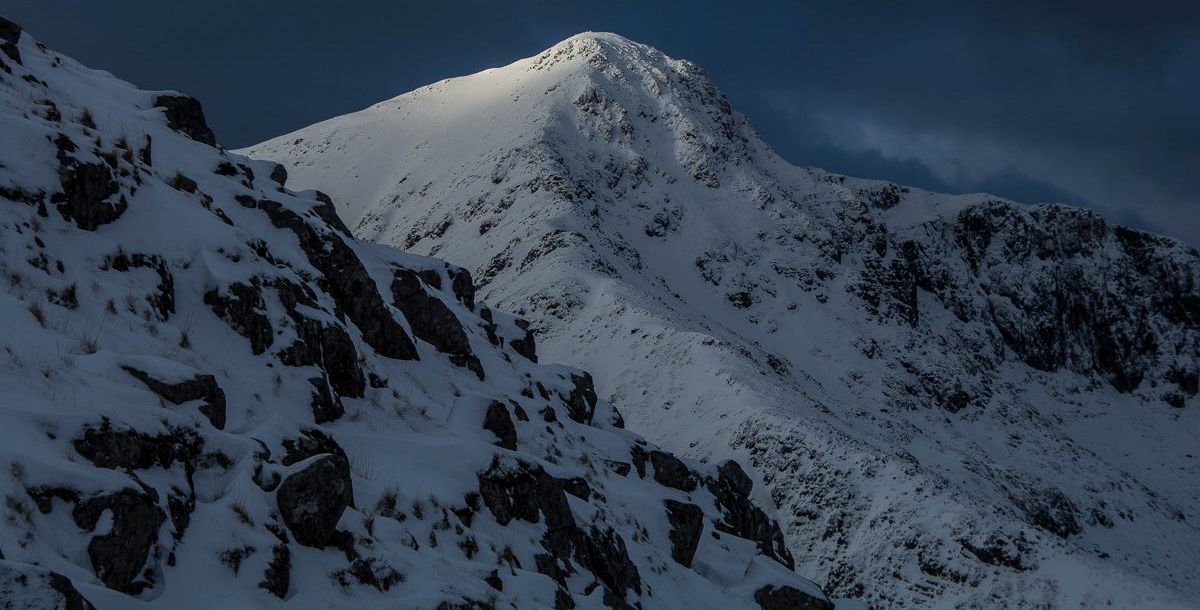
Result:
[[1089, 103]]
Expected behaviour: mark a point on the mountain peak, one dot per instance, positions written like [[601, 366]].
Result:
[[838, 330], [609, 51], [591, 44]]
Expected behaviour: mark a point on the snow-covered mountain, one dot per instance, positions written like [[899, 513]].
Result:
[[951, 401], [214, 397]]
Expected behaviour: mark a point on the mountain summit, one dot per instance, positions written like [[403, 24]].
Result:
[[951, 401]]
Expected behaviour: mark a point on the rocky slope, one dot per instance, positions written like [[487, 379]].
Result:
[[952, 400], [214, 397]]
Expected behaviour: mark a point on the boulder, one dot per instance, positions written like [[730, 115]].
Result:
[[581, 402], [526, 345], [87, 190], [119, 555], [687, 523], [185, 115], [670, 471], [731, 475], [499, 422], [312, 500], [279, 174], [199, 387]]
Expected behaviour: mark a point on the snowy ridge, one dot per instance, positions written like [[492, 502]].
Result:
[[952, 400], [214, 397]]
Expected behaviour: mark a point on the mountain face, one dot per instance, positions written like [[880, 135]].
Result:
[[215, 397], [950, 401]]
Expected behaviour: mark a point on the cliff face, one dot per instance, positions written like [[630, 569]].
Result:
[[215, 397], [950, 400], [1064, 289]]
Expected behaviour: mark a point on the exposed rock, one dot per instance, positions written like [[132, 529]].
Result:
[[163, 299], [741, 299], [10, 35], [998, 552], [311, 501], [119, 555], [1059, 315], [784, 597], [242, 311], [145, 153], [604, 554], [279, 174], [326, 406], [638, 456], [327, 212], [742, 518], [181, 182], [526, 346], [278, 575], [9, 31], [500, 423], [430, 319], [1050, 510], [563, 600], [199, 387], [311, 442], [494, 581], [185, 115], [462, 286], [86, 192], [181, 505], [328, 346], [43, 496], [670, 471], [581, 403], [526, 491], [578, 487], [621, 468], [24, 587], [523, 492], [351, 287], [731, 475], [687, 523], [128, 449]]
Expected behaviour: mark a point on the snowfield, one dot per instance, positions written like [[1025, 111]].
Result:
[[949, 401], [213, 397]]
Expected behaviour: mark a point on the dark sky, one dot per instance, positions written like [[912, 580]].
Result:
[[1094, 103]]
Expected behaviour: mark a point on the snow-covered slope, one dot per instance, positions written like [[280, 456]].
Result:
[[952, 401], [213, 397]]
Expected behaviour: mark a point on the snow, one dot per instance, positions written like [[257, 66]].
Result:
[[609, 194], [80, 307]]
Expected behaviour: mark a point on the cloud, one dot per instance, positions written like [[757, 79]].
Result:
[[1092, 106]]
